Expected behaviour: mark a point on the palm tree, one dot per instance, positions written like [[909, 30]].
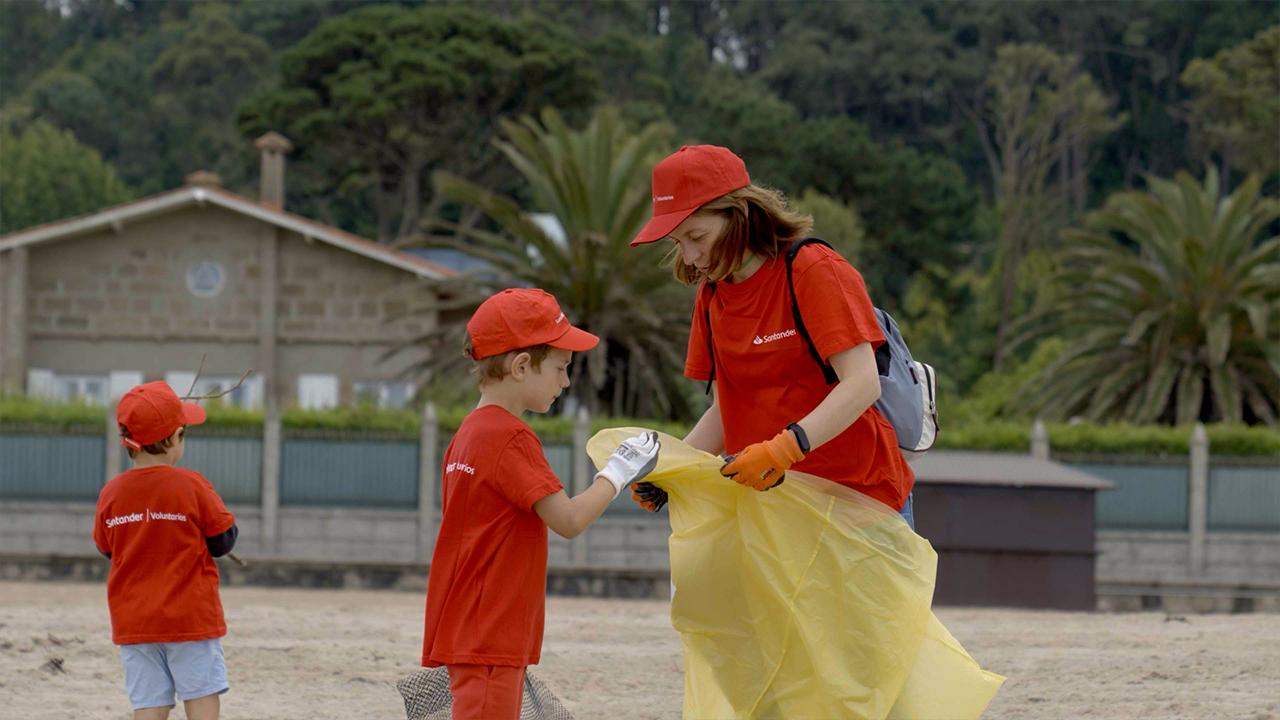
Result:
[[1171, 302], [594, 184]]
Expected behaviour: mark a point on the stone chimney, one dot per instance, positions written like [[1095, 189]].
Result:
[[273, 147], [203, 178]]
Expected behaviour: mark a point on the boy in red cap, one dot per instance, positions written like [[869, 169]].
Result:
[[161, 526], [487, 585]]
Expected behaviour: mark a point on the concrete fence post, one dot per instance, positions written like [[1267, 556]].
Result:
[[428, 481], [1198, 501], [1039, 441], [114, 448], [582, 474], [272, 446]]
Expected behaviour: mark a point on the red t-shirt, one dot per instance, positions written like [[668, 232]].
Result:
[[766, 378], [486, 592], [163, 585]]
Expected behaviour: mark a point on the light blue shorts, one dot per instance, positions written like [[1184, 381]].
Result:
[[155, 672]]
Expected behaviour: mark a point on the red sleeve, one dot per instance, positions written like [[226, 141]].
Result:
[[214, 517], [100, 529], [524, 477], [697, 362], [834, 303]]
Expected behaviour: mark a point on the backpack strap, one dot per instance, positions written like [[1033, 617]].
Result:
[[711, 348], [828, 372]]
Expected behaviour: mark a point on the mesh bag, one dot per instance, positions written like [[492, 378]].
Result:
[[426, 697]]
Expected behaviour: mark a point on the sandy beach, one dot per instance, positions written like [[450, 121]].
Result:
[[324, 654]]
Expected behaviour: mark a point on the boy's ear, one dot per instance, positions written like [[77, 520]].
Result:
[[521, 362]]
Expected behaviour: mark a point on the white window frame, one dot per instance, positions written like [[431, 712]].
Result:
[[317, 391], [383, 392], [42, 383], [79, 388], [120, 382], [248, 396]]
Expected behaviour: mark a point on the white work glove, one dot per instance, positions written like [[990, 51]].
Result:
[[634, 458]]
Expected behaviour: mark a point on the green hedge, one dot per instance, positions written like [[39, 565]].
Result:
[[1112, 439], [32, 414], [1080, 439]]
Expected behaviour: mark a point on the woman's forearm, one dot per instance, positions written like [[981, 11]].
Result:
[[708, 434], [858, 389]]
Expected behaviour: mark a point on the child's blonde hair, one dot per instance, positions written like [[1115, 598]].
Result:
[[760, 221], [495, 367]]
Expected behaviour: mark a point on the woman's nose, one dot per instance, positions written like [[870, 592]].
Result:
[[688, 253]]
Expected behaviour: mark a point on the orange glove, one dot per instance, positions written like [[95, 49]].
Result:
[[763, 465]]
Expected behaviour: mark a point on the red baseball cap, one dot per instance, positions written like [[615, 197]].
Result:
[[686, 180], [521, 318], [152, 412]]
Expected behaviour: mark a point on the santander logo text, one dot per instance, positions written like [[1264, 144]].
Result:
[[776, 336]]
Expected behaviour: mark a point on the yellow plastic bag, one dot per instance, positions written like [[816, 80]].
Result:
[[810, 600]]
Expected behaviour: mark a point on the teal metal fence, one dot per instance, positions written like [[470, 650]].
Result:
[[1146, 496], [232, 464], [46, 466], [1244, 498], [359, 473], [347, 470]]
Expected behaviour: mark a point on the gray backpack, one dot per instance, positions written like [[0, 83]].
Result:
[[907, 390]]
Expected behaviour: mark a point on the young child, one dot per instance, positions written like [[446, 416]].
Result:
[[487, 585], [161, 526]]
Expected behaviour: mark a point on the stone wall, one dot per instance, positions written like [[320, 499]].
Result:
[[121, 301], [1165, 556], [334, 535], [615, 557]]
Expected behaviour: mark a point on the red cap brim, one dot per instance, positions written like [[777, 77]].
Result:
[[575, 340], [193, 414], [660, 226]]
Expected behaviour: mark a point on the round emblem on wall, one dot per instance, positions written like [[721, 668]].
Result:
[[206, 278]]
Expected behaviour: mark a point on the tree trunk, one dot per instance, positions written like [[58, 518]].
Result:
[[411, 192]]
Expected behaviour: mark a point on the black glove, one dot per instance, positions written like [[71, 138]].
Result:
[[648, 496]]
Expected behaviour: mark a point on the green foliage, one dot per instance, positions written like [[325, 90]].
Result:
[[379, 97], [835, 222], [19, 410], [591, 187], [948, 319], [1037, 121], [741, 114], [916, 207], [1237, 101], [881, 62], [47, 175], [1169, 299], [1002, 436], [1088, 439], [995, 395], [206, 67]]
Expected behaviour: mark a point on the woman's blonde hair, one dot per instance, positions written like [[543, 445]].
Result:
[[759, 222]]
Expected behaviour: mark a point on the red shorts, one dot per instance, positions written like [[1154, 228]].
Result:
[[486, 692]]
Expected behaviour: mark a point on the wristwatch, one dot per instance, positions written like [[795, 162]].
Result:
[[801, 439]]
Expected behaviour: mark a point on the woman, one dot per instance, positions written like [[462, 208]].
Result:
[[772, 410]]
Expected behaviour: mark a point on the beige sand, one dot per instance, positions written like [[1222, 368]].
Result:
[[337, 654]]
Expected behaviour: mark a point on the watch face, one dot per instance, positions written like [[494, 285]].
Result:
[[206, 278]]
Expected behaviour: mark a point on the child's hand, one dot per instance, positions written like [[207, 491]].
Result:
[[634, 458], [649, 496]]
